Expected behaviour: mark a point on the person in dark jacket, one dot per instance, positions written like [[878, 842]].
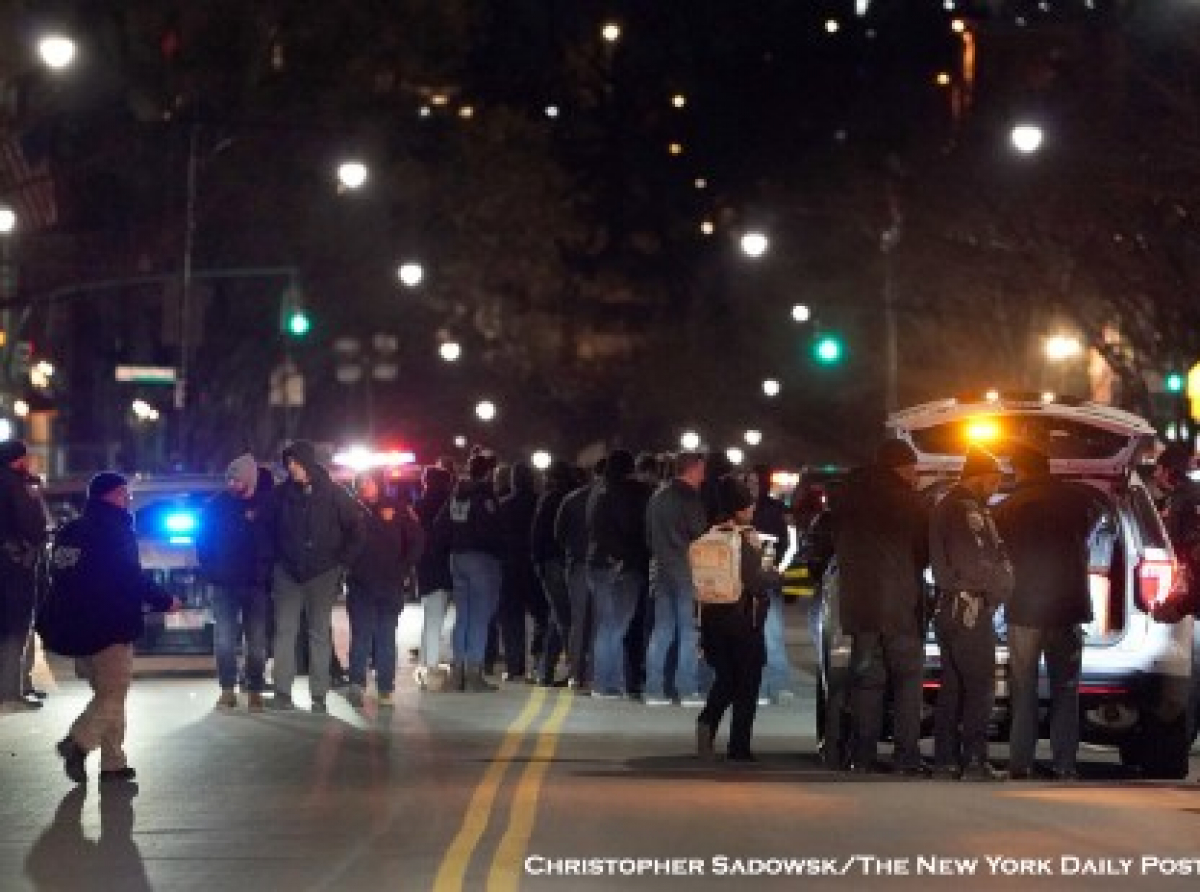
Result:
[[1046, 525], [94, 613], [973, 576], [771, 522], [434, 582], [392, 544], [468, 527], [227, 549], [1180, 507], [22, 535], [571, 533], [313, 533], [618, 561], [881, 540], [549, 559], [520, 592], [732, 634]]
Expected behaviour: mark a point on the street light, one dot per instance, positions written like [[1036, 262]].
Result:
[[611, 32], [411, 274], [1026, 138], [753, 437], [690, 441], [754, 244], [801, 313], [8, 220], [735, 455], [352, 174], [57, 51], [771, 387], [460, 442], [450, 351], [541, 459], [485, 410]]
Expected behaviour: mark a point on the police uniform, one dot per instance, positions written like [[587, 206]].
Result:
[[973, 577]]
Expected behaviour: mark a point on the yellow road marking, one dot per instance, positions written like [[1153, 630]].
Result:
[[505, 875], [454, 865]]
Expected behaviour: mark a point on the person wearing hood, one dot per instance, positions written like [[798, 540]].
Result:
[[520, 592], [881, 539], [22, 534], [375, 587], [228, 550], [434, 581], [94, 613], [468, 526], [313, 532]]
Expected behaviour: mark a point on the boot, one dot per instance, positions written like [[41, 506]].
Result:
[[454, 681], [474, 682], [704, 741]]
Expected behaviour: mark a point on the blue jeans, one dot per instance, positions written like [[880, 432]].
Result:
[[374, 614], [777, 674], [240, 610], [580, 641], [673, 654], [476, 596], [615, 593]]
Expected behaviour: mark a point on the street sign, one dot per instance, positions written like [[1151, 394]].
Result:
[[146, 374]]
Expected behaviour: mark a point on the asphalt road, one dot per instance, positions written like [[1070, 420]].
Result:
[[542, 790]]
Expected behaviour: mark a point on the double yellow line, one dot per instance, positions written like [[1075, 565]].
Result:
[[504, 874]]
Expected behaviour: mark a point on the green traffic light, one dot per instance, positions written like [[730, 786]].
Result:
[[1174, 382], [828, 350], [299, 324]]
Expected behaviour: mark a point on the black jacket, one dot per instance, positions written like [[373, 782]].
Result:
[[97, 586], [743, 621], [1045, 525], [517, 510], [391, 548], [229, 544], [311, 529], [616, 515], [433, 569], [22, 519], [542, 543], [470, 520], [571, 523], [881, 541], [966, 552]]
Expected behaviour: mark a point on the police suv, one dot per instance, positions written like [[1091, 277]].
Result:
[[1140, 685]]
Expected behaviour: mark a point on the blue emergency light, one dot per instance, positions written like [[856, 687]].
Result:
[[180, 523]]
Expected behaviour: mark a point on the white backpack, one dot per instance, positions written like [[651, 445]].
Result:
[[716, 561]]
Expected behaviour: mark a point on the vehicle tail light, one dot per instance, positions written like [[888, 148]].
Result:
[[1155, 574]]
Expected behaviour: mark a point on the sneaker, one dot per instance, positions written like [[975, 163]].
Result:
[[255, 702], [386, 699], [74, 760], [607, 695], [704, 741], [318, 705], [354, 696], [656, 700], [227, 700], [282, 702], [764, 701], [117, 774], [696, 701]]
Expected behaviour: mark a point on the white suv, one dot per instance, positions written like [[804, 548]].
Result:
[[1140, 686]]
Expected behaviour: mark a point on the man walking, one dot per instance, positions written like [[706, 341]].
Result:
[[229, 550], [22, 535], [314, 531], [571, 533], [881, 541], [674, 519], [973, 577], [771, 523], [1045, 525]]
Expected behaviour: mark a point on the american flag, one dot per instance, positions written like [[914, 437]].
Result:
[[27, 188]]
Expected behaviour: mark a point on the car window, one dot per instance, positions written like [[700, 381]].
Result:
[[1149, 525]]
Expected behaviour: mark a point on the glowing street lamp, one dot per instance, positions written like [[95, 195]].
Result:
[[8, 220], [460, 442], [771, 387], [485, 410], [735, 455], [754, 244], [57, 51], [690, 441], [411, 274], [801, 313], [1026, 138], [352, 174], [753, 437], [611, 32], [541, 459], [450, 351]]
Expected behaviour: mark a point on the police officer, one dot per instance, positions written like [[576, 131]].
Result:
[[973, 577], [1181, 515], [22, 534]]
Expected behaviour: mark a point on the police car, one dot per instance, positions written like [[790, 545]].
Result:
[[166, 518], [1140, 684]]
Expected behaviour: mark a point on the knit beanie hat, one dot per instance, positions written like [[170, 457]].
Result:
[[979, 462], [11, 450], [243, 469], [104, 483]]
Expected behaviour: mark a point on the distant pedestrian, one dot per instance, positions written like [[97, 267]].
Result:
[[314, 532], [1046, 525], [94, 612], [732, 634], [392, 544], [549, 559], [23, 522], [973, 577], [232, 559], [468, 527], [434, 582], [571, 533], [771, 523], [881, 537], [675, 518], [521, 596]]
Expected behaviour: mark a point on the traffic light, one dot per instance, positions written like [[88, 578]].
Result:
[[1174, 382], [828, 349], [293, 317], [298, 323]]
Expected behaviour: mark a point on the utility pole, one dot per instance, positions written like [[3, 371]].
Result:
[[185, 292]]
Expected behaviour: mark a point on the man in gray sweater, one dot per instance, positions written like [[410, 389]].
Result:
[[674, 519]]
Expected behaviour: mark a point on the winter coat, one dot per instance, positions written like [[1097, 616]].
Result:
[[391, 548], [470, 520], [1046, 525], [23, 519], [616, 515], [433, 569], [97, 586], [675, 518], [571, 524], [542, 542], [744, 620], [965, 548], [312, 528], [229, 545], [881, 541]]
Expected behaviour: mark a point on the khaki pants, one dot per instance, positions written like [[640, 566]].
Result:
[[102, 723]]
